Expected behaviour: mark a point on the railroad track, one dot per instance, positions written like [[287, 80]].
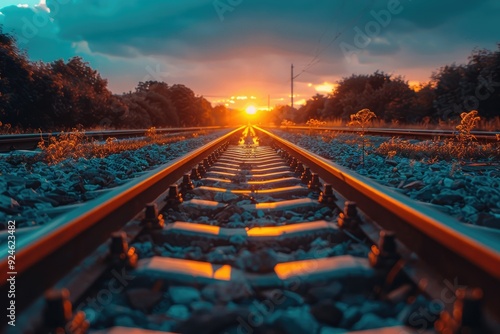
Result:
[[422, 134], [10, 143], [29, 141], [251, 234]]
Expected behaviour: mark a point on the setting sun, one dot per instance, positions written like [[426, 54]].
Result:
[[251, 110]]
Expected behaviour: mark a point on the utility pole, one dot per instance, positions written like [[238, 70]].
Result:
[[268, 102], [291, 96]]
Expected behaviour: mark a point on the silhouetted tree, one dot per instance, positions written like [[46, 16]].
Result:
[[422, 108], [184, 101], [63, 94], [312, 109], [220, 115], [474, 86], [390, 98], [16, 83]]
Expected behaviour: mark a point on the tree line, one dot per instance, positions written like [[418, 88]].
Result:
[[453, 89], [62, 95]]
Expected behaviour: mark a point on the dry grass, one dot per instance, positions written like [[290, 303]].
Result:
[[8, 129], [465, 147], [435, 150], [315, 123], [483, 125], [286, 123], [74, 145], [362, 119], [489, 125]]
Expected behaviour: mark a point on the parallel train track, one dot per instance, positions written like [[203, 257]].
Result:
[[248, 222], [422, 134], [30, 141]]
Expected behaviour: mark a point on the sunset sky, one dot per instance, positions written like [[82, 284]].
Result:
[[243, 49]]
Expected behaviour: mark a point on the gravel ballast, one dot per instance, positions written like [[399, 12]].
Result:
[[468, 192], [33, 193]]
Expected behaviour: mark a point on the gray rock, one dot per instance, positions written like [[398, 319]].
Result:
[[142, 298], [184, 295], [331, 291], [282, 299], [216, 320], [235, 218], [370, 321], [229, 250], [469, 210], [262, 261], [226, 291], [291, 299], [327, 312], [124, 321], [425, 194], [178, 312], [9, 205], [391, 162], [447, 182], [331, 330], [351, 315], [8, 202], [421, 311], [28, 194], [318, 216], [33, 184], [218, 256], [62, 199], [475, 202], [320, 242], [15, 180], [488, 220], [225, 197], [200, 306], [195, 253], [295, 320], [236, 225], [378, 308], [414, 185], [246, 216], [227, 212], [458, 184], [447, 198], [238, 239], [325, 211]]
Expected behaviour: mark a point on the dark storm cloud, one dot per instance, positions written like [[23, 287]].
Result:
[[34, 28], [432, 26], [432, 14], [193, 28], [258, 39], [189, 28]]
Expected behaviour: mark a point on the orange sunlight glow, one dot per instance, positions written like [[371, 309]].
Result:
[[251, 110]]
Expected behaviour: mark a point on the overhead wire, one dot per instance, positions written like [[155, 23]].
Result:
[[319, 51]]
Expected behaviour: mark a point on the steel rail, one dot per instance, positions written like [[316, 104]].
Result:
[[53, 250], [454, 249], [30, 140], [483, 136]]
